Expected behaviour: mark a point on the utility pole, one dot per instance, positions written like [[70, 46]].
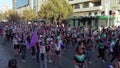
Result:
[[107, 9]]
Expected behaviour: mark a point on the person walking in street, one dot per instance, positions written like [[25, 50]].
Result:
[[43, 60], [116, 50], [101, 50], [23, 50], [37, 50], [79, 59], [89, 47], [33, 51], [58, 52], [48, 51], [16, 46]]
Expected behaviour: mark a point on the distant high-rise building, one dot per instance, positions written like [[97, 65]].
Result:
[[14, 4], [22, 4]]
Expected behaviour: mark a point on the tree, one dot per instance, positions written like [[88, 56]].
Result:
[[5, 15], [11, 15], [29, 14], [14, 16], [56, 10]]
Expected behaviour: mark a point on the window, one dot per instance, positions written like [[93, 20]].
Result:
[[76, 6], [70, 0], [97, 3], [85, 5]]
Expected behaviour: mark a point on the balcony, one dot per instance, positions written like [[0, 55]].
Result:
[[116, 7], [81, 1], [96, 0], [89, 9]]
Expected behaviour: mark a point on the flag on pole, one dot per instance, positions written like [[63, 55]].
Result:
[[34, 39]]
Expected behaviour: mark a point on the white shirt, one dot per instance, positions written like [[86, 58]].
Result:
[[15, 42], [39, 40], [58, 45], [48, 39], [95, 33], [42, 49], [112, 45], [19, 39]]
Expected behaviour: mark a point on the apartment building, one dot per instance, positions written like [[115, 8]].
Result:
[[86, 7], [107, 10]]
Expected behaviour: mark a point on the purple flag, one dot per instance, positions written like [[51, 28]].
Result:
[[34, 39]]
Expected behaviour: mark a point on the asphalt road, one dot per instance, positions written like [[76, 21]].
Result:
[[7, 52]]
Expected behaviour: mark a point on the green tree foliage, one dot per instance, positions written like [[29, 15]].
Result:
[[5, 14], [56, 9], [14, 16], [11, 15], [29, 14]]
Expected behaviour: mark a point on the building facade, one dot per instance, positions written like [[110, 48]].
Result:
[[94, 7], [101, 8]]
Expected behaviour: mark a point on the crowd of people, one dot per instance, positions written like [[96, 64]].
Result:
[[47, 40]]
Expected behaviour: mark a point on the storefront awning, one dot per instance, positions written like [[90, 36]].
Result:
[[105, 17], [91, 17]]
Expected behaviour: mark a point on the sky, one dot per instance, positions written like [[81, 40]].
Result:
[[20, 3], [5, 3]]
